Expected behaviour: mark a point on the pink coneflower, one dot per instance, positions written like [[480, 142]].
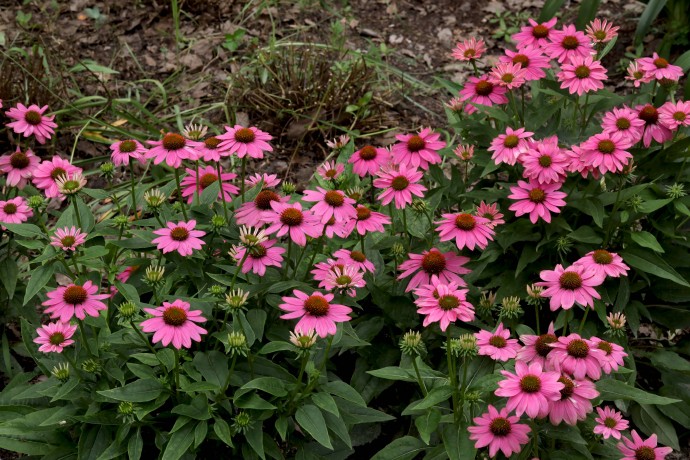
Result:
[[601, 31], [354, 258], [464, 152], [537, 200], [491, 213], [330, 203], [567, 43], [481, 91], [610, 423], [446, 304], [343, 278], [330, 170], [174, 322], [636, 74], [446, 266], [55, 336], [530, 59], [74, 300], [180, 237], [418, 150], [530, 390], [399, 185], [261, 256], [172, 149], [625, 121], [671, 115], [46, 174], [508, 75], [537, 347], [497, 345], [568, 286], [656, 67], [207, 175], [455, 104], [604, 263], [653, 129], [257, 212], [577, 165], [575, 401], [639, 449], [30, 120], [467, 230], [499, 431], [469, 50], [536, 34], [68, 238], [339, 142], [369, 159], [367, 221], [208, 149], [612, 357], [269, 180], [14, 211], [334, 228], [316, 312], [126, 274], [607, 152], [290, 219], [19, 167], [124, 151], [245, 141], [582, 74], [576, 356], [545, 163], [509, 146]]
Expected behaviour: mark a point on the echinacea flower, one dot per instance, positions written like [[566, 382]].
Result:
[[54, 337], [343, 278], [509, 146], [172, 149], [601, 31], [19, 167], [567, 43], [46, 174], [653, 129], [339, 142], [467, 230], [508, 75], [671, 115], [355, 258], [193, 183], [636, 74], [330, 203], [612, 357], [290, 219], [535, 34], [399, 184], [74, 300], [330, 170], [68, 238], [568, 286], [256, 212], [610, 423], [174, 323], [625, 121], [259, 257], [639, 449], [334, 228], [577, 356], [531, 59], [464, 152], [497, 345], [537, 200], [530, 390], [316, 312], [607, 152], [369, 159], [243, 141], [658, 68], [491, 213], [15, 211], [582, 74], [125, 151], [575, 401], [125, 274], [70, 184], [499, 431], [367, 221], [469, 50], [537, 347], [545, 163], [482, 92], [445, 265], [31, 120], [446, 304], [418, 150], [268, 180], [604, 263], [180, 237]]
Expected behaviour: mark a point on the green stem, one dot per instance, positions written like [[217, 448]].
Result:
[[390, 211], [536, 316], [222, 193], [83, 337], [535, 437], [76, 212], [196, 190], [325, 354], [287, 259], [452, 376], [361, 242], [565, 322], [244, 170], [584, 115], [73, 363], [301, 255], [584, 319], [419, 377], [133, 191], [179, 194], [176, 371], [609, 226], [232, 368], [143, 338], [317, 249], [474, 66]]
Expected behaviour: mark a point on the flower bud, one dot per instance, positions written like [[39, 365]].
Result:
[[125, 408], [242, 422], [411, 344], [675, 191], [154, 199], [486, 302], [398, 249], [61, 372], [107, 169], [154, 275], [420, 206], [218, 222], [288, 187], [236, 344], [121, 222], [92, 366], [510, 308], [217, 290], [36, 202], [127, 311], [303, 341], [616, 324], [236, 299]]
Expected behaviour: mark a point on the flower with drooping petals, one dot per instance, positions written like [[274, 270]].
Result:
[[497, 345], [537, 347], [601, 31], [530, 59], [612, 357], [508, 74], [671, 115], [19, 167], [582, 74], [209, 151], [467, 230], [537, 200], [567, 43], [530, 390], [653, 129], [339, 142], [509, 146], [576, 356], [31, 120], [74, 300], [575, 401], [290, 219], [207, 175], [330, 170], [15, 211], [446, 266], [578, 165], [367, 221], [464, 152], [568, 286], [369, 159], [469, 50], [636, 74], [536, 34], [355, 258], [257, 212], [174, 323], [260, 256], [124, 151], [46, 174], [68, 238], [55, 336], [499, 431], [491, 213], [446, 304], [269, 180], [545, 163], [610, 423], [125, 274], [399, 184], [180, 237], [330, 203], [172, 149], [316, 312], [481, 91], [418, 150], [334, 228], [604, 263], [625, 121], [639, 449], [607, 152], [658, 68], [245, 141], [343, 278]]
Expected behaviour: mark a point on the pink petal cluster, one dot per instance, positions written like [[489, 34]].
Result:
[[174, 323]]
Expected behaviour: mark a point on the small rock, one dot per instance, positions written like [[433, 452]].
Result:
[[445, 36], [395, 39]]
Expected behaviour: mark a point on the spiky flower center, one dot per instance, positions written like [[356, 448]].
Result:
[[679, 116], [511, 141], [660, 63], [258, 251], [649, 114], [541, 345], [67, 241], [128, 146], [540, 31], [570, 42], [57, 172], [602, 257], [521, 59], [570, 281], [363, 213], [291, 217], [610, 422], [606, 146], [400, 183], [56, 338], [212, 143], [316, 305], [207, 179], [537, 195], [606, 347], [179, 234], [19, 160], [9, 208], [500, 426], [173, 141], [415, 143], [244, 135], [75, 295], [578, 348], [358, 256], [582, 71], [331, 173], [334, 198], [448, 302], [484, 88], [174, 316], [545, 161], [368, 152], [645, 453], [507, 78], [32, 117], [264, 198], [568, 387], [470, 53], [497, 341], [623, 123], [465, 222], [530, 383], [599, 34], [433, 262], [343, 280]]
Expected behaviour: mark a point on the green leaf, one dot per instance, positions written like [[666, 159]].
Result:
[[270, 385], [255, 438], [457, 443], [586, 234], [650, 13], [210, 193], [326, 402], [27, 230], [660, 425], [653, 205], [8, 275], [427, 423], [345, 391], [179, 443], [222, 430], [648, 262], [587, 12], [646, 240], [198, 409], [213, 366], [550, 9], [138, 391], [38, 279], [309, 417], [611, 390], [435, 396], [669, 360], [406, 447], [135, 446], [393, 373], [92, 66], [337, 426]]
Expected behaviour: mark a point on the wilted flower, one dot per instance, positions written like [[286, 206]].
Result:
[[339, 142], [464, 152], [411, 343], [303, 341]]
